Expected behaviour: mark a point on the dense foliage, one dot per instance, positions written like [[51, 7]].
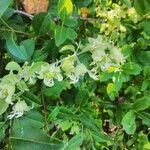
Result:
[[75, 76]]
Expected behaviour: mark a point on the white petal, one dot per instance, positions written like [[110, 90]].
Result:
[[93, 75], [32, 80], [48, 82], [59, 77], [18, 114], [9, 99], [73, 78], [12, 115]]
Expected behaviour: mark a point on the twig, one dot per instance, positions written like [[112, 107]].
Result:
[[23, 13], [83, 18], [57, 18], [19, 32]]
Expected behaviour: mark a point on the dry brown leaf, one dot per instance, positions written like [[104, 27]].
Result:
[[35, 6]]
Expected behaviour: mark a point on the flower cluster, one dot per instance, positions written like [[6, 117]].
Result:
[[18, 109], [49, 72], [103, 54], [75, 72], [113, 17]]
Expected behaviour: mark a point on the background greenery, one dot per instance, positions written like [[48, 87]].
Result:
[[104, 114]]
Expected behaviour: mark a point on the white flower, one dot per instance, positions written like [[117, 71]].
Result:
[[93, 73], [79, 71], [106, 63], [73, 77], [6, 92], [111, 14], [98, 55], [117, 55], [32, 81], [18, 109], [68, 64], [48, 82], [50, 72], [56, 70]]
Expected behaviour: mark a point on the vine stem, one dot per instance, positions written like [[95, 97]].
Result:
[[19, 32], [55, 19], [10, 28]]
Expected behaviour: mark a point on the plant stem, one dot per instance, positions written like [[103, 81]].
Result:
[[7, 25], [19, 32], [44, 109], [72, 17], [23, 13]]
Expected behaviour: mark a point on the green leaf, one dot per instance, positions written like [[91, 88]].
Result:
[[75, 142], [41, 23], [65, 5], [139, 6], [21, 53], [65, 125], [61, 34], [22, 86], [141, 103], [146, 71], [145, 85], [32, 99], [3, 106], [128, 122], [27, 134], [37, 66], [4, 4], [70, 22], [82, 97], [39, 55], [146, 27], [66, 48], [127, 2], [52, 116], [89, 122], [8, 13], [105, 76], [145, 117], [55, 91], [102, 138], [142, 7], [144, 57], [2, 131], [29, 45], [132, 68], [111, 91], [147, 146], [12, 66]]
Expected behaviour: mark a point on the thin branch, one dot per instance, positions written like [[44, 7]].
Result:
[[57, 18], [6, 24], [19, 32], [83, 18], [23, 13]]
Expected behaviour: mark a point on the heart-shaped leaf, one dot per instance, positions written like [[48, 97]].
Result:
[[63, 33], [21, 53]]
